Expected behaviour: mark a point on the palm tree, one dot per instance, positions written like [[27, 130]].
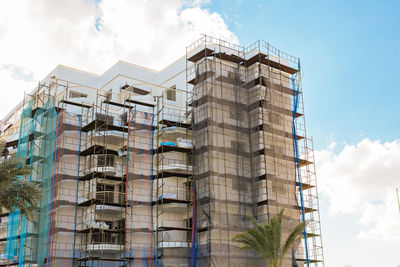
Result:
[[15, 193], [266, 239]]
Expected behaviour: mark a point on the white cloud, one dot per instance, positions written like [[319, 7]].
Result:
[[36, 36], [361, 179]]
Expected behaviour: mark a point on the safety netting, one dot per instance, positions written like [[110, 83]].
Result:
[[50, 143], [244, 158], [221, 162], [36, 148], [15, 220], [44, 147]]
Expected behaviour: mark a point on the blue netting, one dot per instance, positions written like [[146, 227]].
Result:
[[24, 235], [14, 218], [39, 150], [51, 191], [42, 164]]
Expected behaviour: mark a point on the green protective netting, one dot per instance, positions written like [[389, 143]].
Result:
[[14, 218], [40, 151], [47, 122], [27, 231]]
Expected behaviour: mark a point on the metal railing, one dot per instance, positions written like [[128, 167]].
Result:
[[106, 238], [109, 196]]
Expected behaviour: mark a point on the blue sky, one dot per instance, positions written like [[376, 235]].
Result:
[[350, 56]]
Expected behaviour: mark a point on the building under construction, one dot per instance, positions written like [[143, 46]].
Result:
[[162, 168]]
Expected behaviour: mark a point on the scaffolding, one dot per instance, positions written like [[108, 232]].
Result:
[[17, 224], [101, 206], [61, 214], [130, 179], [45, 130], [140, 250], [251, 155], [115, 205], [173, 168]]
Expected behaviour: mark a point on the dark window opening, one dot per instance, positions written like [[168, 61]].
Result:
[[171, 93], [73, 94], [105, 160]]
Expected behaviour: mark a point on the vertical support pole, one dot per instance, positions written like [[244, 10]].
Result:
[[77, 186], [296, 103], [157, 175]]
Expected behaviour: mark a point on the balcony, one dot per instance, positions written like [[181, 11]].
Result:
[[174, 132], [171, 167], [108, 136], [103, 199], [181, 145], [144, 150], [107, 241], [170, 244], [174, 198], [111, 210], [111, 197], [105, 163]]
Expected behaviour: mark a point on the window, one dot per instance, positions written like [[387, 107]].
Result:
[[189, 224], [106, 118], [188, 189], [124, 118], [104, 187], [124, 87], [171, 93], [105, 192], [121, 188], [108, 96], [232, 75], [105, 161], [73, 94], [121, 224]]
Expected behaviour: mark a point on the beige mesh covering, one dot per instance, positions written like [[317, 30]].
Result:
[[244, 158]]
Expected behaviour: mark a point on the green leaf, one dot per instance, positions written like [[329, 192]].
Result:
[[15, 193], [266, 239]]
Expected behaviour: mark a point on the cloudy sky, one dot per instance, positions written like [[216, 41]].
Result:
[[350, 59]]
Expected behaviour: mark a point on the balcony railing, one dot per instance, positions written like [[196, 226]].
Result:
[[106, 238], [109, 196]]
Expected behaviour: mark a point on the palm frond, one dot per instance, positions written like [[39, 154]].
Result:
[[276, 225], [249, 242], [293, 236], [259, 226], [21, 195], [266, 239], [10, 169], [15, 193]]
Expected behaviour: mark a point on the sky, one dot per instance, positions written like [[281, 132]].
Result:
[[350, 60]]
